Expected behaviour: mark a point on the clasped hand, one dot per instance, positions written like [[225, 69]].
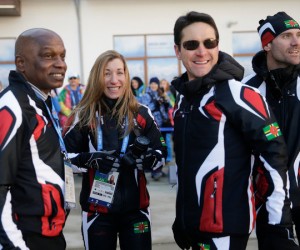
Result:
[[151, 159], [104, 161]]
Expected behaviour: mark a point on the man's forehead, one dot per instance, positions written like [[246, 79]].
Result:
[[48, 43], [290, 31]]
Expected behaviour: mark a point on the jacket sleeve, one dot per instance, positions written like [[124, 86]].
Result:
[[76, 140], [248, 111], [11, 141], [145, 120], [10, 236]]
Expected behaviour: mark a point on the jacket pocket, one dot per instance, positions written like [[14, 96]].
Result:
[[54, 214], [211, 219]]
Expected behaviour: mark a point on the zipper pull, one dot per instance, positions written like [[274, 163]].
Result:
[[215, 189]]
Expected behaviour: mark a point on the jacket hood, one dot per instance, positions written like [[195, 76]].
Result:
[[227, 68], [280, 75], [259, 64]]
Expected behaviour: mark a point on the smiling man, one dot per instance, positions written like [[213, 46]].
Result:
[[32, 186], [219, 122], [277, 75]]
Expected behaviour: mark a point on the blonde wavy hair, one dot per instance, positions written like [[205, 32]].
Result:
[[92, 101]]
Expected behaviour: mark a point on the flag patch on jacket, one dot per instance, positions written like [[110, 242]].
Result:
[[204, 246], [162, 140], [272, 131], [141, 227]]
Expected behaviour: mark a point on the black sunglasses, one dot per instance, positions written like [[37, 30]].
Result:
[[71, 78], [194, 44]]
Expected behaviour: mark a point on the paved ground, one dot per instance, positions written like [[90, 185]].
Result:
[[162, 195]]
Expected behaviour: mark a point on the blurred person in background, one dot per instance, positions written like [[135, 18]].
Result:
[[138, 87], [168, 125], [55, 101], [70, 96], [156, 101]]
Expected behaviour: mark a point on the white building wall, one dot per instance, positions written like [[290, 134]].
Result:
[[101, 19]]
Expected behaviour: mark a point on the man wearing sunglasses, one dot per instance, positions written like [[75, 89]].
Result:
[[277, 75], [219, 122]]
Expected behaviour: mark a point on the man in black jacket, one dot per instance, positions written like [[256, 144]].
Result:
[[277, 75], [32, 174], [219, 122]]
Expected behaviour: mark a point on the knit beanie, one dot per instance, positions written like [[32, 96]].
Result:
[[273, 26], [154, 79]]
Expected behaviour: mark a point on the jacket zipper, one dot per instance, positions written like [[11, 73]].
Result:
[[184, 114], [214, 196]]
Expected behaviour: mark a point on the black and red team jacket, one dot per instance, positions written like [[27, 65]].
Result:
[[281, 88], [31, 167], [219, 122], [131, 193]]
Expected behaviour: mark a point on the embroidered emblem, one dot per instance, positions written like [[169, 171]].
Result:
[[141, 227], [272, 131], [291, 24], [204, 246]]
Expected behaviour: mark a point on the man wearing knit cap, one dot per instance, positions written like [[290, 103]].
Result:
[[277, 75]]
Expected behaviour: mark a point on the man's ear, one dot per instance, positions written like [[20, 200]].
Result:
[[177, 51], [19, 61], [268, 47]]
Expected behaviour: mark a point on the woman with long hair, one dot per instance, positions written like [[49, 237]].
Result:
[[111, 134]]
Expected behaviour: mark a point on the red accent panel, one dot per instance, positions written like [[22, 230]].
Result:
[[253, 206], [266, 38], [262, 187], [144, 196], [6, 122], [211, 219], [256, 101], [141, 121], [213, 110], [54, 226], [39, 128]]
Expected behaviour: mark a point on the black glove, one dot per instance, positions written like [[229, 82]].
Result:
[[103, 161], [278, 237], [180, 236], [152, 159]]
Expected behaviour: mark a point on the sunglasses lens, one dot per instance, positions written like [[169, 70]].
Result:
[[194, 44], [211, 43], [71, 78], [191, 44]]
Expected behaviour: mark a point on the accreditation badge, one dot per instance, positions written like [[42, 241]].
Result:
[[70, 201], [103, 189]]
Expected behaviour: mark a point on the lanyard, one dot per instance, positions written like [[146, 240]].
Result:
[[100, 136], [54, 119]]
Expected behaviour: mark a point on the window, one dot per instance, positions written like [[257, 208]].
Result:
[[7, 60], [149, 55], [245, 45]]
